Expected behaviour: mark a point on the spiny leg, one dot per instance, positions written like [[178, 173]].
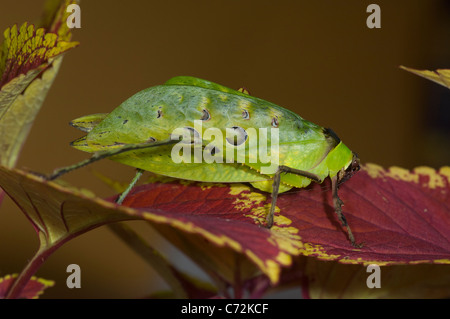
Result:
[[276, 186], [125, 193], [338, 209]]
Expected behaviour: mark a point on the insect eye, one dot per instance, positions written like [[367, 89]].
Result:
[[355, 166], [190, 135], [236, 135]]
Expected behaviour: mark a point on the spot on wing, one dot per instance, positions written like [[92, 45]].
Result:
[[236, 136], [206, 115]]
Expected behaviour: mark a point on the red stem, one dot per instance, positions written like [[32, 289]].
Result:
[[30, 269]]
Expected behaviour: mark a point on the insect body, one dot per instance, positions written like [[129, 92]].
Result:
[[304, 151]]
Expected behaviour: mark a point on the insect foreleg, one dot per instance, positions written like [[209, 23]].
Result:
[[105, 154], [276, 186]]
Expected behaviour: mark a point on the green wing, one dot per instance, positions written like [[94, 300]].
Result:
[[192, 81]]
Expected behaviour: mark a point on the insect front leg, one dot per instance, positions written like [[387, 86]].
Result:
[[276, 186]]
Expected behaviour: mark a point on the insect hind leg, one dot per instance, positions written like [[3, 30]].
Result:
[[276, 187], [338, 209]]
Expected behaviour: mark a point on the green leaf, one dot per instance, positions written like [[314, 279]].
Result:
[[20, 110]]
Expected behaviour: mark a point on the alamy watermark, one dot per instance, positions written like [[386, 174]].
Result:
[[74, 19], [74, 279], [373, 280], [373, 21]]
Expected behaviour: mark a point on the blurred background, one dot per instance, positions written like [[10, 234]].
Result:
[[316, 58]]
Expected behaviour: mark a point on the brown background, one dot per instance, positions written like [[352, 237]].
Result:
[[317, 58]]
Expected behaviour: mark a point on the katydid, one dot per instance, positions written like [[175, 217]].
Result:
[[222, 133]]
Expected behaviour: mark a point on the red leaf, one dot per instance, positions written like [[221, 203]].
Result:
[[32, 290], [221, 214], [402, 216], [33, 49]]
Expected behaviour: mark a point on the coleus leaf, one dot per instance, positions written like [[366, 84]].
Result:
[[34, 288], [29, 61], [402, 216], [441, 76], [57, 212], [26, 49], [60, 213]]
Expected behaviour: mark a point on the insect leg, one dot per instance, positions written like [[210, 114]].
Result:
[[276, 186], [338, 209], [105, 154], [125, 193]]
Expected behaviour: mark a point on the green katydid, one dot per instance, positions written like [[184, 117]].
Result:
[[140, 133]]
